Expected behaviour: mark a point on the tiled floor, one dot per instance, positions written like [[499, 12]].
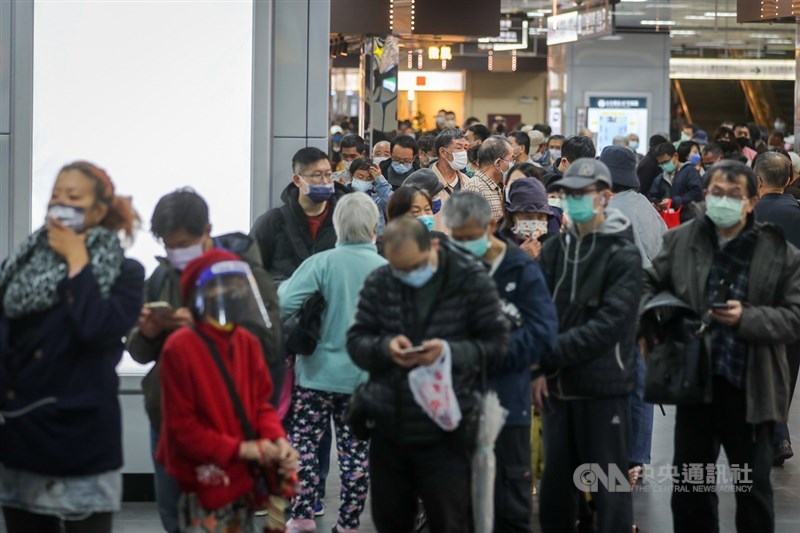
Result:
[[651, 507]]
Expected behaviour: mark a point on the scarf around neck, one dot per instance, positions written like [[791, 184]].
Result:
[[30, 277]]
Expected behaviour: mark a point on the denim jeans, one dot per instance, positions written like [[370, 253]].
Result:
[[641, 436], [167, 490]]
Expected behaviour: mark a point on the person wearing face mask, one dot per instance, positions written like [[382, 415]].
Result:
[[425, 179], [381, 152], [441, 122], [68, 295], [633, 144], [431, 299], [743, 136], [427, 150], [529, 220], [648, 169], [648, 233], [181, 221], [679, 184], [367, 178], [554, 145], [303, 226], [495, 159], [206, 370], [745, 278], [403, 162], [594, 272], [476, 134], [451, 148], [327, 378], [352, 147], [534, 331]]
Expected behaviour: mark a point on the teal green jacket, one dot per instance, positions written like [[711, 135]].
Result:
[[339, 275]]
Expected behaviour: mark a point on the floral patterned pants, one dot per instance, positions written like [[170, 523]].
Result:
[[312, 411]]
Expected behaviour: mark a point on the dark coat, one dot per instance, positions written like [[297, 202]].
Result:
[[396, 180], [783, 210], [62, 376], [466, 314], [771, 316], [168, 289], [686, 188], [284, 246], [523, 294], [647, 170], [596, 282]]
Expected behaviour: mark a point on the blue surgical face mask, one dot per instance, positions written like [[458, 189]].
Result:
[[437, 205], [361, 185], [469, 171], [318, 193], [634, 145], [427, 220], [724, 212], [694, 159], [478, 247], [580, 209], [668, 167], [416, 278], [402, 168]]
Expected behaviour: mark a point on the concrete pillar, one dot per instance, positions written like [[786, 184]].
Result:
[[16, 123], [291, 79], [626, 65]]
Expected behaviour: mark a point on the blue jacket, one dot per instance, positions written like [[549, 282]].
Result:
[[338, 275], [380, 193], [687, 187], [61, 380], [523, 293]]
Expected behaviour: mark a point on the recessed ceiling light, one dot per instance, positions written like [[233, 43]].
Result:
[[698, 17], [682, 32], [720, 14], [765, 35]]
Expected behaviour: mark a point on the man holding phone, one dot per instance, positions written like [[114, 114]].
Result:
[[744, 277], [431, 296]]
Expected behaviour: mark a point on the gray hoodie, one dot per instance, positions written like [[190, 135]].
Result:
[[648, 226]]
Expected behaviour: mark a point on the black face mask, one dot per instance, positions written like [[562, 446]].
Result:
[[743, 142]]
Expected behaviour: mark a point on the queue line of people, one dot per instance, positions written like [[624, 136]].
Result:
[[532, 272]]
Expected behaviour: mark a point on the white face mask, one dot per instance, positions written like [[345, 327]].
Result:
[[554, 202], [459, 160], [379, 160], [346, 164], [180, 257], [530, 229]]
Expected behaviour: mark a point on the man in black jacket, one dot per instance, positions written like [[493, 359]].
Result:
[[403, 162], [648, 169], [774, 172], [303, 226], [745, 278], [594, 272], [431, 299]]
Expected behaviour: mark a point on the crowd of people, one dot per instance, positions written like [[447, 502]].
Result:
[[379, 305]]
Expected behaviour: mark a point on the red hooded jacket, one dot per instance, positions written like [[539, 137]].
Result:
[[200, 433]]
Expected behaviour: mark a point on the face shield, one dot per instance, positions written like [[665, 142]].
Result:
[[226, 295]]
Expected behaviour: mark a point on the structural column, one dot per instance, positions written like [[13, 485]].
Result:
[[16, 122], [291, 79]]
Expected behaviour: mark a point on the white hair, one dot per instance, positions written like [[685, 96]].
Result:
[[464, 207], [355, 219]]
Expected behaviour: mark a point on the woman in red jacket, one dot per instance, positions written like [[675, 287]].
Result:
[[204, 445]]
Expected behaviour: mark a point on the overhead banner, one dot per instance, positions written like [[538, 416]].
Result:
[[731, 69], [579, 25]]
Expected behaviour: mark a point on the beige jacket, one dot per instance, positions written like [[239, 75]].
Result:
[[438, 218]]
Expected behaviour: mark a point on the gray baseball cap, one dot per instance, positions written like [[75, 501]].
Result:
[[581, 174]]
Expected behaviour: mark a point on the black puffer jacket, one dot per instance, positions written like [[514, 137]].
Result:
[[284, 246], [596, 282], [466, 314]]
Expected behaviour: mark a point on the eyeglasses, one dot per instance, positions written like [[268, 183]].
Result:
[[733, 195], [318, 176], [403, 161]]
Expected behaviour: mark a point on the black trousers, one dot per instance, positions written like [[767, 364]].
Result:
[[399, 475], [585, 432], [19, 521], [512, 487], [699, 431], [781, 432]]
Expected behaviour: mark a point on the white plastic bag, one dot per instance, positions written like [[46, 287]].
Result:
[[432, 387]]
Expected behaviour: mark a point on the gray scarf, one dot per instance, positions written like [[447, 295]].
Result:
[[30, 277]]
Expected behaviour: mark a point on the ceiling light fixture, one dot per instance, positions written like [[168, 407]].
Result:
[[682, 32], [720, 14], [433, 53], [513, 60], [658, 23], [491, 60], [698, 17], [446, 53]]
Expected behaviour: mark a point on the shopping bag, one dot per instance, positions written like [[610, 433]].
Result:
[[671, 217], [432, 387]]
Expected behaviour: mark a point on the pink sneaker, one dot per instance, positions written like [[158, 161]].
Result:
[[301, 526]]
